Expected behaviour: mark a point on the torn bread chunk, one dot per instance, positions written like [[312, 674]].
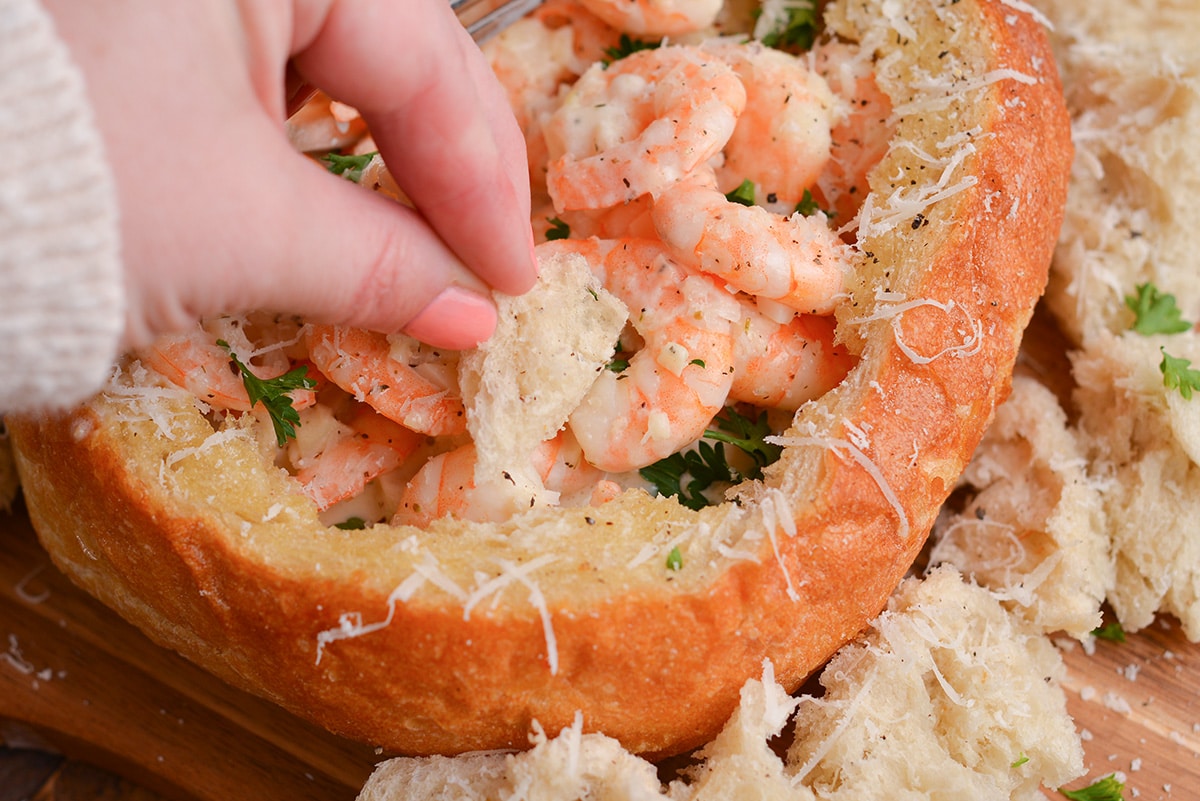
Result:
[[1132, 81], [947, 696], [521, 384], [1141, 440], [1032, 528]]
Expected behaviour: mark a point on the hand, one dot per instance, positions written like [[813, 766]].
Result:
[[219, 213]]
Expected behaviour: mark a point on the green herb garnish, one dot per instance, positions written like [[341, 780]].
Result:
[[273, 394], [675, 559], [1106, 789], [807, 206], [349, 167], [749, 436], [1019, 761], [351, 524], [1155, 312], [1113, 632], [619, 363], [626, 46], [744, 194], [1178, 374], [795, 29], [557, 230], [705, 465], [686, 475]]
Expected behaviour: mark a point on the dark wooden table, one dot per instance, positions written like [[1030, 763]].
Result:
[[31, 774]]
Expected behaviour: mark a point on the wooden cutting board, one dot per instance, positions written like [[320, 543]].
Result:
[[76, 677]]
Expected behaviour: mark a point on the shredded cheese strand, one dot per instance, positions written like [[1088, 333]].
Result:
[[971, 344], [214, 440], [520, 573], [863, 461], [927, 98], [350, 624], [843, 724]]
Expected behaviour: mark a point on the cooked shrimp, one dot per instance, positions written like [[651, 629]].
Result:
[[797, 261], [195, 361], [781, 141], [537, 58], [323, 124], [364, 364], [656, 17], [679, 379], [591, 37], [532, 61], [861, 132], [781, 365], [447, 484], [625, 220], [639, 125], [349, 455]]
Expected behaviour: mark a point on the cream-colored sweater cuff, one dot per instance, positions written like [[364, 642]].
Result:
[[61, 282]]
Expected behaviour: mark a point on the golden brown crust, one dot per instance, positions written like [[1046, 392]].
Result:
[[469, 650]]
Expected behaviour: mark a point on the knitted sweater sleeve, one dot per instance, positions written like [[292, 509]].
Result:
[[61, 280]]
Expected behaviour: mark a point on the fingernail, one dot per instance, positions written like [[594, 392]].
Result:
[[457, 318]]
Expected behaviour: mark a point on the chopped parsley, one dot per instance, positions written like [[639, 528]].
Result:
[[627, 46], [619, 363], [807, 206], [1113, 632], [744, 194], [351, 524], [705, 465], [795, 28], [1155, 312], [749, 436], [675, 559], [557, 230], [1019, 761], [273, 394], [1179, 374], [349, 167], [687, 474], [1106, 789]]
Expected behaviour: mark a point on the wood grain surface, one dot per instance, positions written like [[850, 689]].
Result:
[[77, 678], [1135, 704]]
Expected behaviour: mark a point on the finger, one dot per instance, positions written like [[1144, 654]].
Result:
[[441, 121], [330, 250]]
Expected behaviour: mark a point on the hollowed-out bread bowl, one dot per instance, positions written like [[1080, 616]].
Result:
[[458, 636]]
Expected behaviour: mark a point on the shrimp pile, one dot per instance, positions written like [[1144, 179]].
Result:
[[708, 181]]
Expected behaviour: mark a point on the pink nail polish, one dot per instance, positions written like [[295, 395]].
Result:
[[457, 318]]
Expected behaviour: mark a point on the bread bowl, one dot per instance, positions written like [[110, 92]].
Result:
[[642, 615]]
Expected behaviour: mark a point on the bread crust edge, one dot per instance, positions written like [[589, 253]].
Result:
[[658, 669]]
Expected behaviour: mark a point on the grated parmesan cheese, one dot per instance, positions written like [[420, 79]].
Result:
[[842, 448]]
